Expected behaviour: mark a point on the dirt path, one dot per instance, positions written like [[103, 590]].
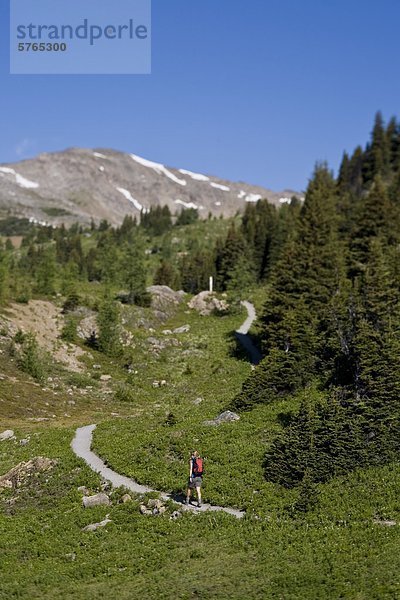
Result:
[[242, 334], [82, 442], [81, 445]]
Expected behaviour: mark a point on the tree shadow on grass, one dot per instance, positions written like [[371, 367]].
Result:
[[244, 348]]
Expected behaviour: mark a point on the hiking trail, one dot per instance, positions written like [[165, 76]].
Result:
[[82, 442]]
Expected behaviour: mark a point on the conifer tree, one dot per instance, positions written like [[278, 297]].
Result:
[[134, 272], [108, 321]]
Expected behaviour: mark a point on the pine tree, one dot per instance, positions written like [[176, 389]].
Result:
[[45, 273], [377, 155], [228, 256], [134, 272], [3, 272]]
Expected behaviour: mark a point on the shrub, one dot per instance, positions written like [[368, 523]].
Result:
[[124, 393], [31, 359], [69, 333]]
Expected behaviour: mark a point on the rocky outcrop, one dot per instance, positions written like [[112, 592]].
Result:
[[19, 474], [207, 303], [164, 301]]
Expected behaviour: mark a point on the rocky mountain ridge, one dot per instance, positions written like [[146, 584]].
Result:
[[83, 184]]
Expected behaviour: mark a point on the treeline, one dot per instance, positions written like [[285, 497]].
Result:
[[330, 327], [135, 255]]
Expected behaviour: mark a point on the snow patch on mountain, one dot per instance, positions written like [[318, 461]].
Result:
[[21, 181], [189, 204], [285, 200], [218, 186], [253, 197], [158, 168], [99, 155], [129, 197], [195, 176], [241, 194]]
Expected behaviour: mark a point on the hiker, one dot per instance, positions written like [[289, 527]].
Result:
[[195, 477]]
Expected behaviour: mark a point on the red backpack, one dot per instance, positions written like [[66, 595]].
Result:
[[197, 469]]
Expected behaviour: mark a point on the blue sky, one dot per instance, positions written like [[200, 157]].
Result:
[[254, 91]]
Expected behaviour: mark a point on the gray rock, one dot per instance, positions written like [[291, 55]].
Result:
[[126, 498], [83, 490], [95, 526], [225, 417], [183, 329], [97, 500], [8, 434], [105, 377], [197, 401], [24, 442]]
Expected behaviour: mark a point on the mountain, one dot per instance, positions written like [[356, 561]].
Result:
[[80, 184]]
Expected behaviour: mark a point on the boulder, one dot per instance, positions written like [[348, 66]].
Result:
[[164, 300], [97, 500], [8, 434], [126, 498], [207, 303]]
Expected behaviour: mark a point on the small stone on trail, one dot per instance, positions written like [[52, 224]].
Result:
[[96, 500], [8, 434]]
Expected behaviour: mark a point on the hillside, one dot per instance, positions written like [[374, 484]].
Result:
[[81, 184], [111, 329]]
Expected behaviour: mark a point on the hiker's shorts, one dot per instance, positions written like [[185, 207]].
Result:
[[195, 483]]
